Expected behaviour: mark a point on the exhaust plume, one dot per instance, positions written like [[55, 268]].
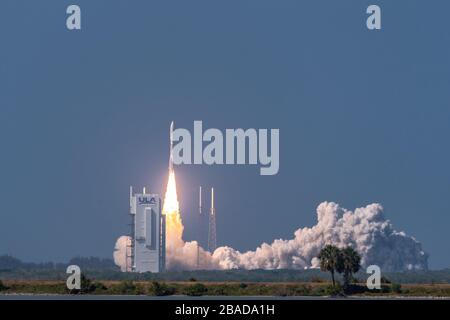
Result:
[[365, 229], [181, 255]]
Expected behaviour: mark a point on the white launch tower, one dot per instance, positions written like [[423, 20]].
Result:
[[148, 233]]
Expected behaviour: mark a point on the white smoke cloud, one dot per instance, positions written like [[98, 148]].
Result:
[[365, 229], [121, 252], [190, 256]]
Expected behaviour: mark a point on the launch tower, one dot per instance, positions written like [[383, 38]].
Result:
[[147, 251]]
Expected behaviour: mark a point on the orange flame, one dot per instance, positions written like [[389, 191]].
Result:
[[171, 205], [174, 225]]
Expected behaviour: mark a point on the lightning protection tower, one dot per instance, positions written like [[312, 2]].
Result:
[[212, 241]]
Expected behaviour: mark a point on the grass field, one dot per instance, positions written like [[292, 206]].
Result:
[[194, 288]]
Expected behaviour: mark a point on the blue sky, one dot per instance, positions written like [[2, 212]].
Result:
[[363, 116]]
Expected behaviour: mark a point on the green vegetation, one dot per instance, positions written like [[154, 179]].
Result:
[[334, 290], [351, 261], [127, 288], [330, 260], [104, 270], [88, 286], [161, 289], [35, 287], [345, 261], [100, 276], [396, 288], [155, 288], [197, 289]]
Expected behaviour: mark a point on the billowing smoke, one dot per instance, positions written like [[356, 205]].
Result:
[[190, 256], [365, 229], [121, 253]]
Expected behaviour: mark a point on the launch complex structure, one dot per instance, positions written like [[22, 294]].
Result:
[[146, 250]]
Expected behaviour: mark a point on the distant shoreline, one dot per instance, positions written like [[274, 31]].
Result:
[[194, 288]]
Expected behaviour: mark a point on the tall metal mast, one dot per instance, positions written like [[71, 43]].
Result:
[[200, 200], [212, 241]]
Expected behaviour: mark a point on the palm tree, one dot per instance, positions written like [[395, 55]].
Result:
[[330, 260], [350, 263]]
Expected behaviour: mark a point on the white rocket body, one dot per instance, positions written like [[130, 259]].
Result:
[[171, 147]]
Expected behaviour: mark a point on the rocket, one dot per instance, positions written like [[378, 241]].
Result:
[[171, 147]]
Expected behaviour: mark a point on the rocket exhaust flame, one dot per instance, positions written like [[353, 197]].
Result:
[[171, 205], [179, 254], [171, 209]]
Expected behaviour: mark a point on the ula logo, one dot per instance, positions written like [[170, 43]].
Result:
[[145, 200]]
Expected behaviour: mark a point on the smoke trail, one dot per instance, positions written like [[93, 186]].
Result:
[[365, 229], [120, 252]]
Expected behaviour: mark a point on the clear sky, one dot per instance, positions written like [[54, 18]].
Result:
[[364, 116]]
